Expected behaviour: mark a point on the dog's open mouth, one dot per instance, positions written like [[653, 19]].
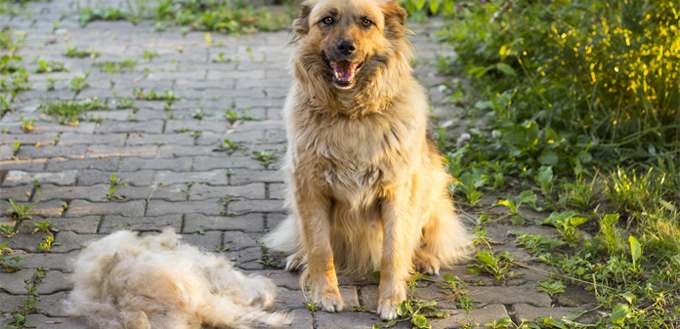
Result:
[[343, 72]]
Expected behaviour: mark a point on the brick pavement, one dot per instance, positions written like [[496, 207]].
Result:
[[176, 179]]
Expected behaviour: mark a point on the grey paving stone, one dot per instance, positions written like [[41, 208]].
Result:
[[165, 177], [74, 138], [346, 320], [246, 258], [300, 319], [134, 178], [71, 241], [112, 223], [30, 165], [245, 176], [205, 163], [42, 321], [18, 177], [206, 241], [277, 191], [93, 193], [203, 207], [80, 225], [528, 312], [99, 163], [524, 294], [479, 316], [53, 261], [99, 151], [21, 192], [248, 206], [134, 164], [80, 208], [253, 222], [204, 191]]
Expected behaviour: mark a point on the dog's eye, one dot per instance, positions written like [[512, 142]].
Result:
[[328, 20], [366, 22]]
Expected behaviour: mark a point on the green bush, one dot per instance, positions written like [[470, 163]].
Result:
[[597, 78]]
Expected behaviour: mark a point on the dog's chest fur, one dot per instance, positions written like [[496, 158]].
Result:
[[353, 159]]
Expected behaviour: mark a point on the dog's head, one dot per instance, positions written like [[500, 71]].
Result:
[[347, 41]]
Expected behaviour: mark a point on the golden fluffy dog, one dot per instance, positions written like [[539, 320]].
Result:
[[367, 189], [154, 282]]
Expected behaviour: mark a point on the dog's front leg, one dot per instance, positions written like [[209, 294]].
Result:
[[399, 237], [314, 211]]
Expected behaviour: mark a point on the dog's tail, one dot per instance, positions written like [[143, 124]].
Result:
[[286, 237]]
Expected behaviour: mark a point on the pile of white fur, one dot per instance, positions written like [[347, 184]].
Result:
[[154, 282]]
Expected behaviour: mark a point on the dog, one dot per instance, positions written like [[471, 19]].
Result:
[[154, 282], [366, 187]]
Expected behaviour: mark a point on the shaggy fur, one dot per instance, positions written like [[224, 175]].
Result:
[[154, 282], [366, 187]]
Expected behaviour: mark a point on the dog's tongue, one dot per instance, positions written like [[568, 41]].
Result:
[[344, 70]]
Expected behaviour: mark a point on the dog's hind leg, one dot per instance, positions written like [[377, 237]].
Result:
[[425, 262]]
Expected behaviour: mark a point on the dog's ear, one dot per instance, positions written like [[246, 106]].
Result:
[[395, 18], [301, 24]]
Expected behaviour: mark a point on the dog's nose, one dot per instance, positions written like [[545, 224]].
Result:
[[345, 47]]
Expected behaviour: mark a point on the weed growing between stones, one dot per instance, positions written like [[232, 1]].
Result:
[[126, 65], [30, 304], [413, 310], [68, 112], [232, 17], [233, 116], [9, 259], [265, 157]]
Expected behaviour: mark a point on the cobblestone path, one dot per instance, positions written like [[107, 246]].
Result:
[[172, 167]]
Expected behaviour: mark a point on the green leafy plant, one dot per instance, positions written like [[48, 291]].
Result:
[[6, 101], [9, 261], [265, 157], [45, 227], [566, 224], [468, 185], [47, 245], [49, 66], [200, 114], [222, 248], [551, 287], [524, 197], [27, 125], [19, 212], [233, 116], [78, 84], [126, 65], [168, 96], [230, 147], [498, 265], [149, 55], [77, 53], [68, 112], [311, 306], [110, 194]]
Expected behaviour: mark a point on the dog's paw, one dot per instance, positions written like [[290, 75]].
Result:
[[427, 265], [330, 301], [295, 262], [387, 309]]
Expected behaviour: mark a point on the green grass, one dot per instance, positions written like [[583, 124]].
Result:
[[234, 17], [126, 65], [580, 104], [67, 112]]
